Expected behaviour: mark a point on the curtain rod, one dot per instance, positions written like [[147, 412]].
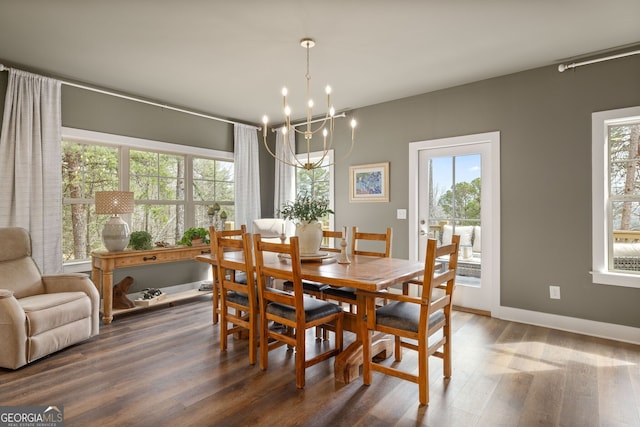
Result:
[[312, 121], [563, 67], [143, 101]]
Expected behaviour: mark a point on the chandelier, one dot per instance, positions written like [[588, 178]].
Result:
[[325, 127]]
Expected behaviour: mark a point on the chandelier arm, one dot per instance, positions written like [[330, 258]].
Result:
[[264, 140], [297, 163], [313, 131], [281, 159], [320, 119], [297, 160], [350, 149]]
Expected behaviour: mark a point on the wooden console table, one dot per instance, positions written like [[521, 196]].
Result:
[[103, 263]]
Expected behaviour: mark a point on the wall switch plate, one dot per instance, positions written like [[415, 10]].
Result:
[[401, 214], [554, 292]]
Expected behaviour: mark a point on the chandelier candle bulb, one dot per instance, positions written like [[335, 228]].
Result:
[[326, 126]]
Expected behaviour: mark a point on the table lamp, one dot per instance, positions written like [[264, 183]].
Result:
[[115, 233]]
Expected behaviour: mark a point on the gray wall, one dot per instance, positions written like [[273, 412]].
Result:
[[544, 118]]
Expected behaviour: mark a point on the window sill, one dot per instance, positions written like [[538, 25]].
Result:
[[77, 267], [616, 279]]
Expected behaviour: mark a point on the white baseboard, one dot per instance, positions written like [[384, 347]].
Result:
[[570, 324]]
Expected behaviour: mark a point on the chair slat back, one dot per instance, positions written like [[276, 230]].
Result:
[[440, 279], [228, 241], [358, 236], [226, 233], [331, 234], [269, 294]]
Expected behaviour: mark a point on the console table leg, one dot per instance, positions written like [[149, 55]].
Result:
[[107, 296]]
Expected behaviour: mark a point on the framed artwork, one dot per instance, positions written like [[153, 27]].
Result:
[[369, 183]]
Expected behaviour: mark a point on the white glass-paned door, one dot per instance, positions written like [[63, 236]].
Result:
[[453, 195]]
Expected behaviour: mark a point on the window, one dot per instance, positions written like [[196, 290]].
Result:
[[318, 182], [157, 181], [173, 186], [85, 170], [213, 183], [616, 197]]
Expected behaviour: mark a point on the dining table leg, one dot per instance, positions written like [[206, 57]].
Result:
[[347, 364]]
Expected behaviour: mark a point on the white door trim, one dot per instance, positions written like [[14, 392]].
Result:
[[492, 179]]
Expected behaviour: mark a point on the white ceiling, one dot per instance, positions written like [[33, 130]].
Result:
[[231, 58]]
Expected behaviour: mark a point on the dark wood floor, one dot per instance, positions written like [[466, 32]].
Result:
[[163, 367]]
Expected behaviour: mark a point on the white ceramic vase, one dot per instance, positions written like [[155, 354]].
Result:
[[309, 237]]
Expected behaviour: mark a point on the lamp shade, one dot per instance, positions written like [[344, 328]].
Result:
[[114, 202]]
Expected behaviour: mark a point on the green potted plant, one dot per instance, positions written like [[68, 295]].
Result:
[[305, 208], [140, 241], [194, 235], [305, 211]]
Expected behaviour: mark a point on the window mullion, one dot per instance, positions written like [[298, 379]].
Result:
[[124, 169]]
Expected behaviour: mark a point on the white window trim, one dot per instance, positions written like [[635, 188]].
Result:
[[599, 185], [101, 138], [330, 159], [83, 135]]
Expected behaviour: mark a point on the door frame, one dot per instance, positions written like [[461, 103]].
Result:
[[491, 269]]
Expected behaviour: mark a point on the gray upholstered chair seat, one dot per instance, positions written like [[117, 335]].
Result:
[[307, 285], [404, 315], [238, 298], [313, 309], [241, 277], [50, 311], [343, 292]]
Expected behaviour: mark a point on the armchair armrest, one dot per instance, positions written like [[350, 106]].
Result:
[[75, 282], [13, 331], [70, 282]]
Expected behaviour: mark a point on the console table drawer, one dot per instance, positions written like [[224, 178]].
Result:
[[153, 258]]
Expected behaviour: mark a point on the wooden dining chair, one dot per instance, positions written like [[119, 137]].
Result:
[[290, 309], [379, 244], [215, 300], [238, 298], [417, 319], [315, 289]]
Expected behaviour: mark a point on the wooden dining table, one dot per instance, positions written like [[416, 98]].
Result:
[[362, 273]]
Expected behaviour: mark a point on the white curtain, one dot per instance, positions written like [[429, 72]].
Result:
[[246, 174], [285, 175], [30, 156]]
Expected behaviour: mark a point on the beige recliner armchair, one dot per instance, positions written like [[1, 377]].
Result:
[[40, 314]]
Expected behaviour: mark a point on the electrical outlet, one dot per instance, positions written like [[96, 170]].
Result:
[[554, 292]]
